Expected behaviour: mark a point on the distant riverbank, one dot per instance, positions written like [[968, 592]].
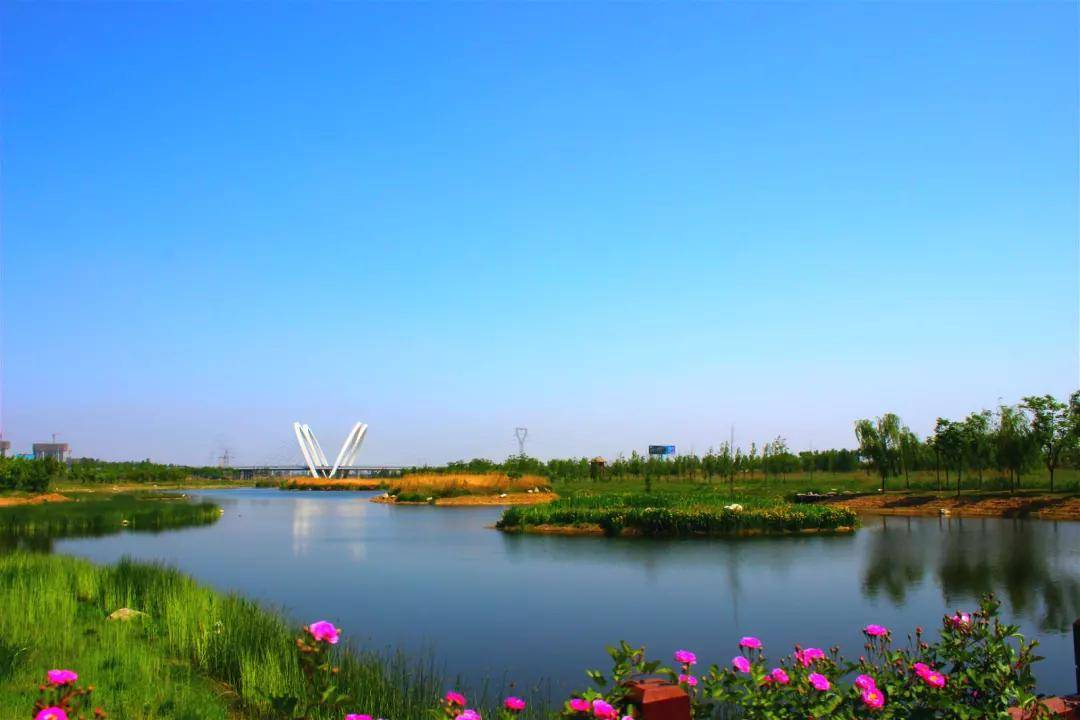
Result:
[[1040, 506]]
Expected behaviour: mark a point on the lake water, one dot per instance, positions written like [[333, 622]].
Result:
[[531, 608]]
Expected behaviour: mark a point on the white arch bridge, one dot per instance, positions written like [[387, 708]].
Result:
[[317, 464]]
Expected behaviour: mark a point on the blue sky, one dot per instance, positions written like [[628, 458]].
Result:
[[615, 224]]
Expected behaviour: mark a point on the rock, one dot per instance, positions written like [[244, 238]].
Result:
[[502, 495], [943, 511], [125, 614], [734, 507]]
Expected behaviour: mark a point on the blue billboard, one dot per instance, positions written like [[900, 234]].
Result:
[[661, 450]]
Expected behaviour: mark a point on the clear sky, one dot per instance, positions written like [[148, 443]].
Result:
[[615, 224]]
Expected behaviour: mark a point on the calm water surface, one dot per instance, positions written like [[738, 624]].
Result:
[[533, 608]]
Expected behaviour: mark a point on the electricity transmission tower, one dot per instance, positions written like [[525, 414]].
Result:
[[521, 433]]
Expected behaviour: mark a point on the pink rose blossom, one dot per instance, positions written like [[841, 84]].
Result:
[[687, 680], [933, 679], [579, 705], [750, 642], [455, 698], [514, 704], [809, 655], [603, 710], [685, 657], [51, 713], [819, 681], [741, 664], [61, 677], [960, 619], [865, 682], [873, 698], [876, 630], [469, 715], [920, 668], [324, 631], [779, 676]]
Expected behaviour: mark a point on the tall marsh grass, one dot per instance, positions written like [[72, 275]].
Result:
[[197, 653], [438, 485]]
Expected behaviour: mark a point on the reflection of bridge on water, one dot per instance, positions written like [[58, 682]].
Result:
[[370, 471]]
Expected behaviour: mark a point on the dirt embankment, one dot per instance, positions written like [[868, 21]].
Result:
[[524, 498], [33, 499], [1036, 505]]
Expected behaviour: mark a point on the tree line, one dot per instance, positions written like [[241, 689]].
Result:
[[38, 475], [1011, 440]]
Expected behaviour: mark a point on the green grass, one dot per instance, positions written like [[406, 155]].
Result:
[[32, 526], [199, 654], [699, 511]]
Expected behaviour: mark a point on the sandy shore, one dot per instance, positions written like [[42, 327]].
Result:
[[1042, 506], [33, 499], [478, 500]]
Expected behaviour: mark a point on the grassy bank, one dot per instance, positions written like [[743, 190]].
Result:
[[197, 655], [106, 514], [421, 487], [675, 514]]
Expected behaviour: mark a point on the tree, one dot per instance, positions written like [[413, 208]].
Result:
[[976, 431], [950, 443], [1051, 428], [909, 453], [1013, 441], [878, 442]]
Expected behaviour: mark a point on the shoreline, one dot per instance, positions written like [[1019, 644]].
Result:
[[594, 530], [1037, 506], [473, 500]]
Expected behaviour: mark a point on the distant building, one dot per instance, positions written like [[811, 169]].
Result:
[[55, 450], [5, 448]]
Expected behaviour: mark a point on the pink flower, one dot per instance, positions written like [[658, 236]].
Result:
[[920, 668], [514, 704], [323, 631], [469, 715], [750, 642], [809, 655], [819, 681], [51, 713], [603, 710], [354, 716], [685, 657], [579, 705], [865, 682], [873, 698], [687, 680], [455, 698], [876, 630], [741, 664], [933, 678], [960, 619], [779, 676], [61, 677]]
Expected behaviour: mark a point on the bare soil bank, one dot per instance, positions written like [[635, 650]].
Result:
[[1036, 505], [33, 499]]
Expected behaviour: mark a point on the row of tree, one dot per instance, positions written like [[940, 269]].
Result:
[[29, 475], [1011, 440]]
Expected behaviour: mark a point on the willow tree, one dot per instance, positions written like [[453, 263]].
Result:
[[879, 442]]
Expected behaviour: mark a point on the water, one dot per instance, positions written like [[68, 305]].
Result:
[[527, 608]]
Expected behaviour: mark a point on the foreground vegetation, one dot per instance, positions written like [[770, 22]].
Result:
[[196, 654], [675, 514], [193, 654]]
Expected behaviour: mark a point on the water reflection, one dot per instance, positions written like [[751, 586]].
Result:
[[1026, 563]]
